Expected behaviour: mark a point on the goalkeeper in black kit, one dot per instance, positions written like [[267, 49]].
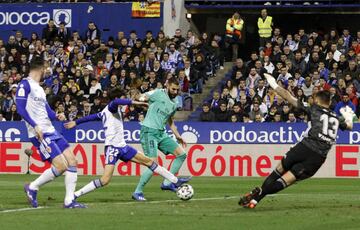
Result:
[[304, 159]]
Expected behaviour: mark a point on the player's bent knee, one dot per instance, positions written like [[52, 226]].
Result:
[[142, 159], [70, 157], [60, 168], [179, 151], [59, 164], [72, 161]]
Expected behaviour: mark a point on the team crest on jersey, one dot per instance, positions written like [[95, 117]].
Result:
[[48, 149], [111, 158], [21, 91]]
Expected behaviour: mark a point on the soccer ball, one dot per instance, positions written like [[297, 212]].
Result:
[[185, 192]]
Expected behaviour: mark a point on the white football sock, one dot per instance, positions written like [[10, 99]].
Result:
[[163, 172], [47, 176], [95, 184], [70, 184]]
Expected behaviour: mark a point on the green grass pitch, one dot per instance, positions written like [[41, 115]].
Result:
[[313, 204]]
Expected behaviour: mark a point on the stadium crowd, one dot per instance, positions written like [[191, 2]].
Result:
[[303, 63], [82, 67]]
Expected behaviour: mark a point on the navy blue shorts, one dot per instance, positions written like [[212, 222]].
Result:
[[52, 145], [113, 154]]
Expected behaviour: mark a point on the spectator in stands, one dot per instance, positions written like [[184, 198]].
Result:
[[50, 31], [262, 105], [222, 114], [264, 24], [259, 118], [178, 38], [268, 65], [236, 111], [285, 113], [244, 104], [2, 118], [207, 114], [132, 114], [253, 58], [199, 68], [253, 79], [291, 118], [277, 37], [345, 101], [234, 118], [255, 111], [232, 88], [308, 87], [234, 25], [12, 115], [261, 90], [225, 96], [63, 33], [352, 96], [239, 70], [284, 76], [92, 33], [270, 116], [214, 102]]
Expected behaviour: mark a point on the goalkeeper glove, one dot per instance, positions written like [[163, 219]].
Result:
[[271, 81]]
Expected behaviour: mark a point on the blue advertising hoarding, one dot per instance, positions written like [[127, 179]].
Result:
[[110, 18], [193, 132]]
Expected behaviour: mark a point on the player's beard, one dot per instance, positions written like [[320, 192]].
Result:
[[172, 96]]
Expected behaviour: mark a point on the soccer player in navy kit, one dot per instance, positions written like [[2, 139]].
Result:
[[52, 146], [304, 159]]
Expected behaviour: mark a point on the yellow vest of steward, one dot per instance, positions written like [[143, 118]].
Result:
[[265, 27]]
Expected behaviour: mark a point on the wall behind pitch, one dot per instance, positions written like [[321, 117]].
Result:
[[217, 160], [110, 18], [214, 149]]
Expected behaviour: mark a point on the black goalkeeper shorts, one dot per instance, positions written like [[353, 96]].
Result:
[[302, 161]]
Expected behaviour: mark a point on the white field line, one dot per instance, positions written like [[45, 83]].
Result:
[[167, 201], [135, 202], [196, 199], [21, 209]]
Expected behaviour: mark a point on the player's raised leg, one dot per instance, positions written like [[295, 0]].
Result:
[[97, 183], [112, 155], [154, 167]]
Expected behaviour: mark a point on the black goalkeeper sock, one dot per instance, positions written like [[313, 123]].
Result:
[[271, 178], [271, 188]]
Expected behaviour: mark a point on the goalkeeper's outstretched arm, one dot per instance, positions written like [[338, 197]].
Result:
[[281, 91]]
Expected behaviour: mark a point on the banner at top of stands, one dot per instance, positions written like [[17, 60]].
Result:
[[192, 132], [110, 18]]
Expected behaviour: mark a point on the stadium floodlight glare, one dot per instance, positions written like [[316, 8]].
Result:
[[188, 16]]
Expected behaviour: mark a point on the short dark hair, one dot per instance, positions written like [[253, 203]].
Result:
[[174, 81], [324, 96], [116, 93], [36, 63]]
